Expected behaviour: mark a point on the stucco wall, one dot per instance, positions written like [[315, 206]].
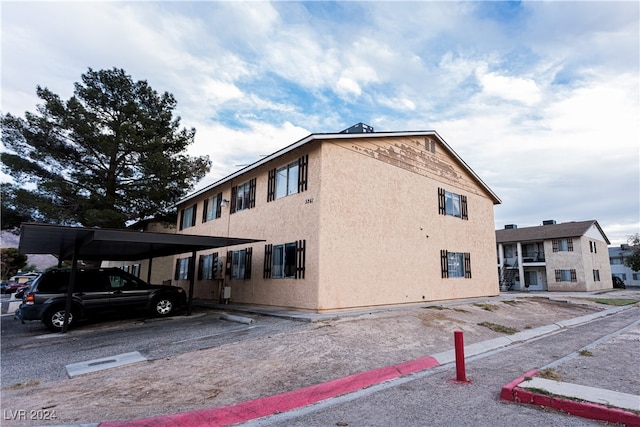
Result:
[[583, 261], [381, 230]]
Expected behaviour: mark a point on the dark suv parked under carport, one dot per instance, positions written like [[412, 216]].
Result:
[[96, 291]]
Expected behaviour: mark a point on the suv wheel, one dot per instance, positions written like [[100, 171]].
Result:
[[163, 306], [54, 318]]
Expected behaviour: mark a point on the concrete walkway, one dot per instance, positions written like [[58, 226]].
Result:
[[579, 400]]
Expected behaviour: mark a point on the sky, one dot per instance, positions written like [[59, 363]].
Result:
[[540, 99]]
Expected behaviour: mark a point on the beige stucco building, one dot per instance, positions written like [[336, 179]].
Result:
[[350, 219], [570, 256]]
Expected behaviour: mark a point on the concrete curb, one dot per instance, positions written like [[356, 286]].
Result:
[[515, 391]]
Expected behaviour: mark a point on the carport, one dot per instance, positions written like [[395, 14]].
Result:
[[97, 244]]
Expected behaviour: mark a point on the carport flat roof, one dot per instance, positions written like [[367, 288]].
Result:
[[115, 245]]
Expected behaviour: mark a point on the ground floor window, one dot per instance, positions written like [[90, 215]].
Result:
[[285, 260], [455, 264], [596, 275], [239, 263], [182, 268], [566, 275], [206, 267]]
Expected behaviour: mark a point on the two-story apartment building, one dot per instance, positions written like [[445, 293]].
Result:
[[570, 256], [617, 256], [351, 219]]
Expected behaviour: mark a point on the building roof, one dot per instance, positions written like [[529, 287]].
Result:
[[114, 245], [546, 232], [345, 135]]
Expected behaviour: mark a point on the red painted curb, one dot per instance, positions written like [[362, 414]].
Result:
[[589, 410], [270, 405]]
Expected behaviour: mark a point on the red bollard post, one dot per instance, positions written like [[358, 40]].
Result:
[[459, 346]]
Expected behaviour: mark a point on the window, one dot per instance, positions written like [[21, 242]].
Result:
[[592, 247], [508, 251], [243, 196], [188, 217], [287, 180], [285, 260], [616, 261], [455, 264], [562, 245], [635, 276], [182, 268], [135, 270], [239, 263], [452, 204], [596, 275], [566, 275], [212, 208], [206, 266]]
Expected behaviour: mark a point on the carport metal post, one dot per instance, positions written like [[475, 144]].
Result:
[[72, 283], [192, 278]]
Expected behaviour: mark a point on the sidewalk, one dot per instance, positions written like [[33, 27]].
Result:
[[584, 399]]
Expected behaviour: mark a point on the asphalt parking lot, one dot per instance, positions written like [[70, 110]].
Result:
[[154, 338]]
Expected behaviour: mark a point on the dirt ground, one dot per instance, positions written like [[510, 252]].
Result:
[[277, 363]]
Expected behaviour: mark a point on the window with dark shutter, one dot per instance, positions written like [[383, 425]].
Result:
[[558, 274], [234, 196], [252, 193], [303, 163], [444, 264], [463, 207], [574, 277], [247, 263], [271, 186], [442, 210], [467, 265], [570, 245], [554, 246], [229, 263], [176, 276], [205, 209], [201, 267], [301, 246], [268, 256], [219, 205]]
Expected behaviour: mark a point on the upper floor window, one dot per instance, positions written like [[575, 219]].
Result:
[[452, 204], [243, 196], [289, 179], [212, 208], [562, 245], [455, 264], [188, 217], [592, 247]]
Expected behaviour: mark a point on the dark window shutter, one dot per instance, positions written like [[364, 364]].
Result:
[[205, 205], [268, 257], [463, 207], [271, 187], [301, 247], [180, 220], [193, 217], [247, 263], [219, 205], [200, 267], [177, 273], [234, 196], [570, 245], [467, 265], [554, 245], [444, 264], [574, 277], [229, 263], [303, 163], [558, 275], [441, 202], [252, 193]]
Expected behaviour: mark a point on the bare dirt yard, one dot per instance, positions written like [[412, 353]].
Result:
[[276, 363]]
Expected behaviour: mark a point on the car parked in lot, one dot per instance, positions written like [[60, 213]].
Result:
[[96, 291], [618, 282]]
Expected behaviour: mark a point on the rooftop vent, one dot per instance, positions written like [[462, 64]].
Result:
[[549, 222], [510, 227], [359, 128]]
